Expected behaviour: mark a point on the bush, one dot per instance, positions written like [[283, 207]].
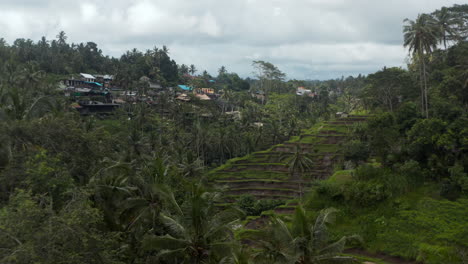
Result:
[[412, 172], [254, 207], [356, 151], [367, 193]]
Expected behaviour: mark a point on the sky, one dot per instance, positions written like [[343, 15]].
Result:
[[306, 39]]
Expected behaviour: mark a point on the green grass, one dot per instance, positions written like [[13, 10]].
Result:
[[340, 177], [251, 174], [310, 140], [284, 197], [327, 147], [252, 180], [294, 139], [264, 189], [418, 225]]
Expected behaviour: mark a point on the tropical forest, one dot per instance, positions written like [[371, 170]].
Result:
[[142, 159]]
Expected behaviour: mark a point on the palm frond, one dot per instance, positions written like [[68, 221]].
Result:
[[176, 228]]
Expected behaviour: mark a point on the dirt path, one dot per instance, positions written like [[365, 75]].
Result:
[[380, 256]]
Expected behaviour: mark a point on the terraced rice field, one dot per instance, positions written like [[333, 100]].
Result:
[[265, 174]]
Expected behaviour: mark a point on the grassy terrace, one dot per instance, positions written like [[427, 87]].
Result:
[[265, 174], [251, 175]]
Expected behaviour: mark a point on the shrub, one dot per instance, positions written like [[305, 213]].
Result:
[[356, 151], [254, 207]]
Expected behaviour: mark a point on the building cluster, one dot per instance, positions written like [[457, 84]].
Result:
[[100, 93]]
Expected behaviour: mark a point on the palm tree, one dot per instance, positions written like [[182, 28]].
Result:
[[141, 209], [111, 186], [303, 241], [239, 255], [198, 232], [31, 76], [421, 37], [192, 69], [299, 161], [446, 21]]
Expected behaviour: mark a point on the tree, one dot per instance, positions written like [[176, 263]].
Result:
[[304, 241], [447, 21], [142, 208], [192, 69], [268, 75], [298, 161], [388, 87], [222, 71], [421, 37], [198, 232]]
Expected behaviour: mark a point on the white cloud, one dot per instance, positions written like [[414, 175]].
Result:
[[89, 12], [209, 26], [304, 38]]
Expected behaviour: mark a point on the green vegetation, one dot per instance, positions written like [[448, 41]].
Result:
[[167, 180]]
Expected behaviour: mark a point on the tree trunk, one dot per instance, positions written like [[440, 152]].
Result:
[[425, 89], [421, 83]]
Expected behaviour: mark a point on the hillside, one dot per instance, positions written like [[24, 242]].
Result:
[[268, 175]]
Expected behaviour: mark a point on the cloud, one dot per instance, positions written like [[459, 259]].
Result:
[[209, 25], [304, 38]]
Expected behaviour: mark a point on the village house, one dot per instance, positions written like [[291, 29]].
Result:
[[301, 91], [151, 85], [207, 91], [105, 79], [260, 95], [87, 77]]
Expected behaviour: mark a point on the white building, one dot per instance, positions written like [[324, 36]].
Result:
[[302, 91], [87, 77]]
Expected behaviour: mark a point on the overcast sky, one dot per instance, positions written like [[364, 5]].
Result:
[[306, 39]]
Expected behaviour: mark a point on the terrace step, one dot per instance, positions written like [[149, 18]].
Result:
[[233, 198], [264, 192], [265, 184], [264, 174]]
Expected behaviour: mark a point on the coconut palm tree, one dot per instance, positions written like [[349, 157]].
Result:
[[31, 76], [421, 37], [149, 194], [192, 69], [304, 241], [297, 162], [198, 231], [447, 21], [239, 255]]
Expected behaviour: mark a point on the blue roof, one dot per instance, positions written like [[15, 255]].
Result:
[[185, 87], [98, 84], [212, 81]]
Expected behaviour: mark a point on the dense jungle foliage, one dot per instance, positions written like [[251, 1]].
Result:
[[131, 187]]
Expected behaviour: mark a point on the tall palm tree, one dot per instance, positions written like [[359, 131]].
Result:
[[304, 241], [198, 231], [447, 21], [421, 37]]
